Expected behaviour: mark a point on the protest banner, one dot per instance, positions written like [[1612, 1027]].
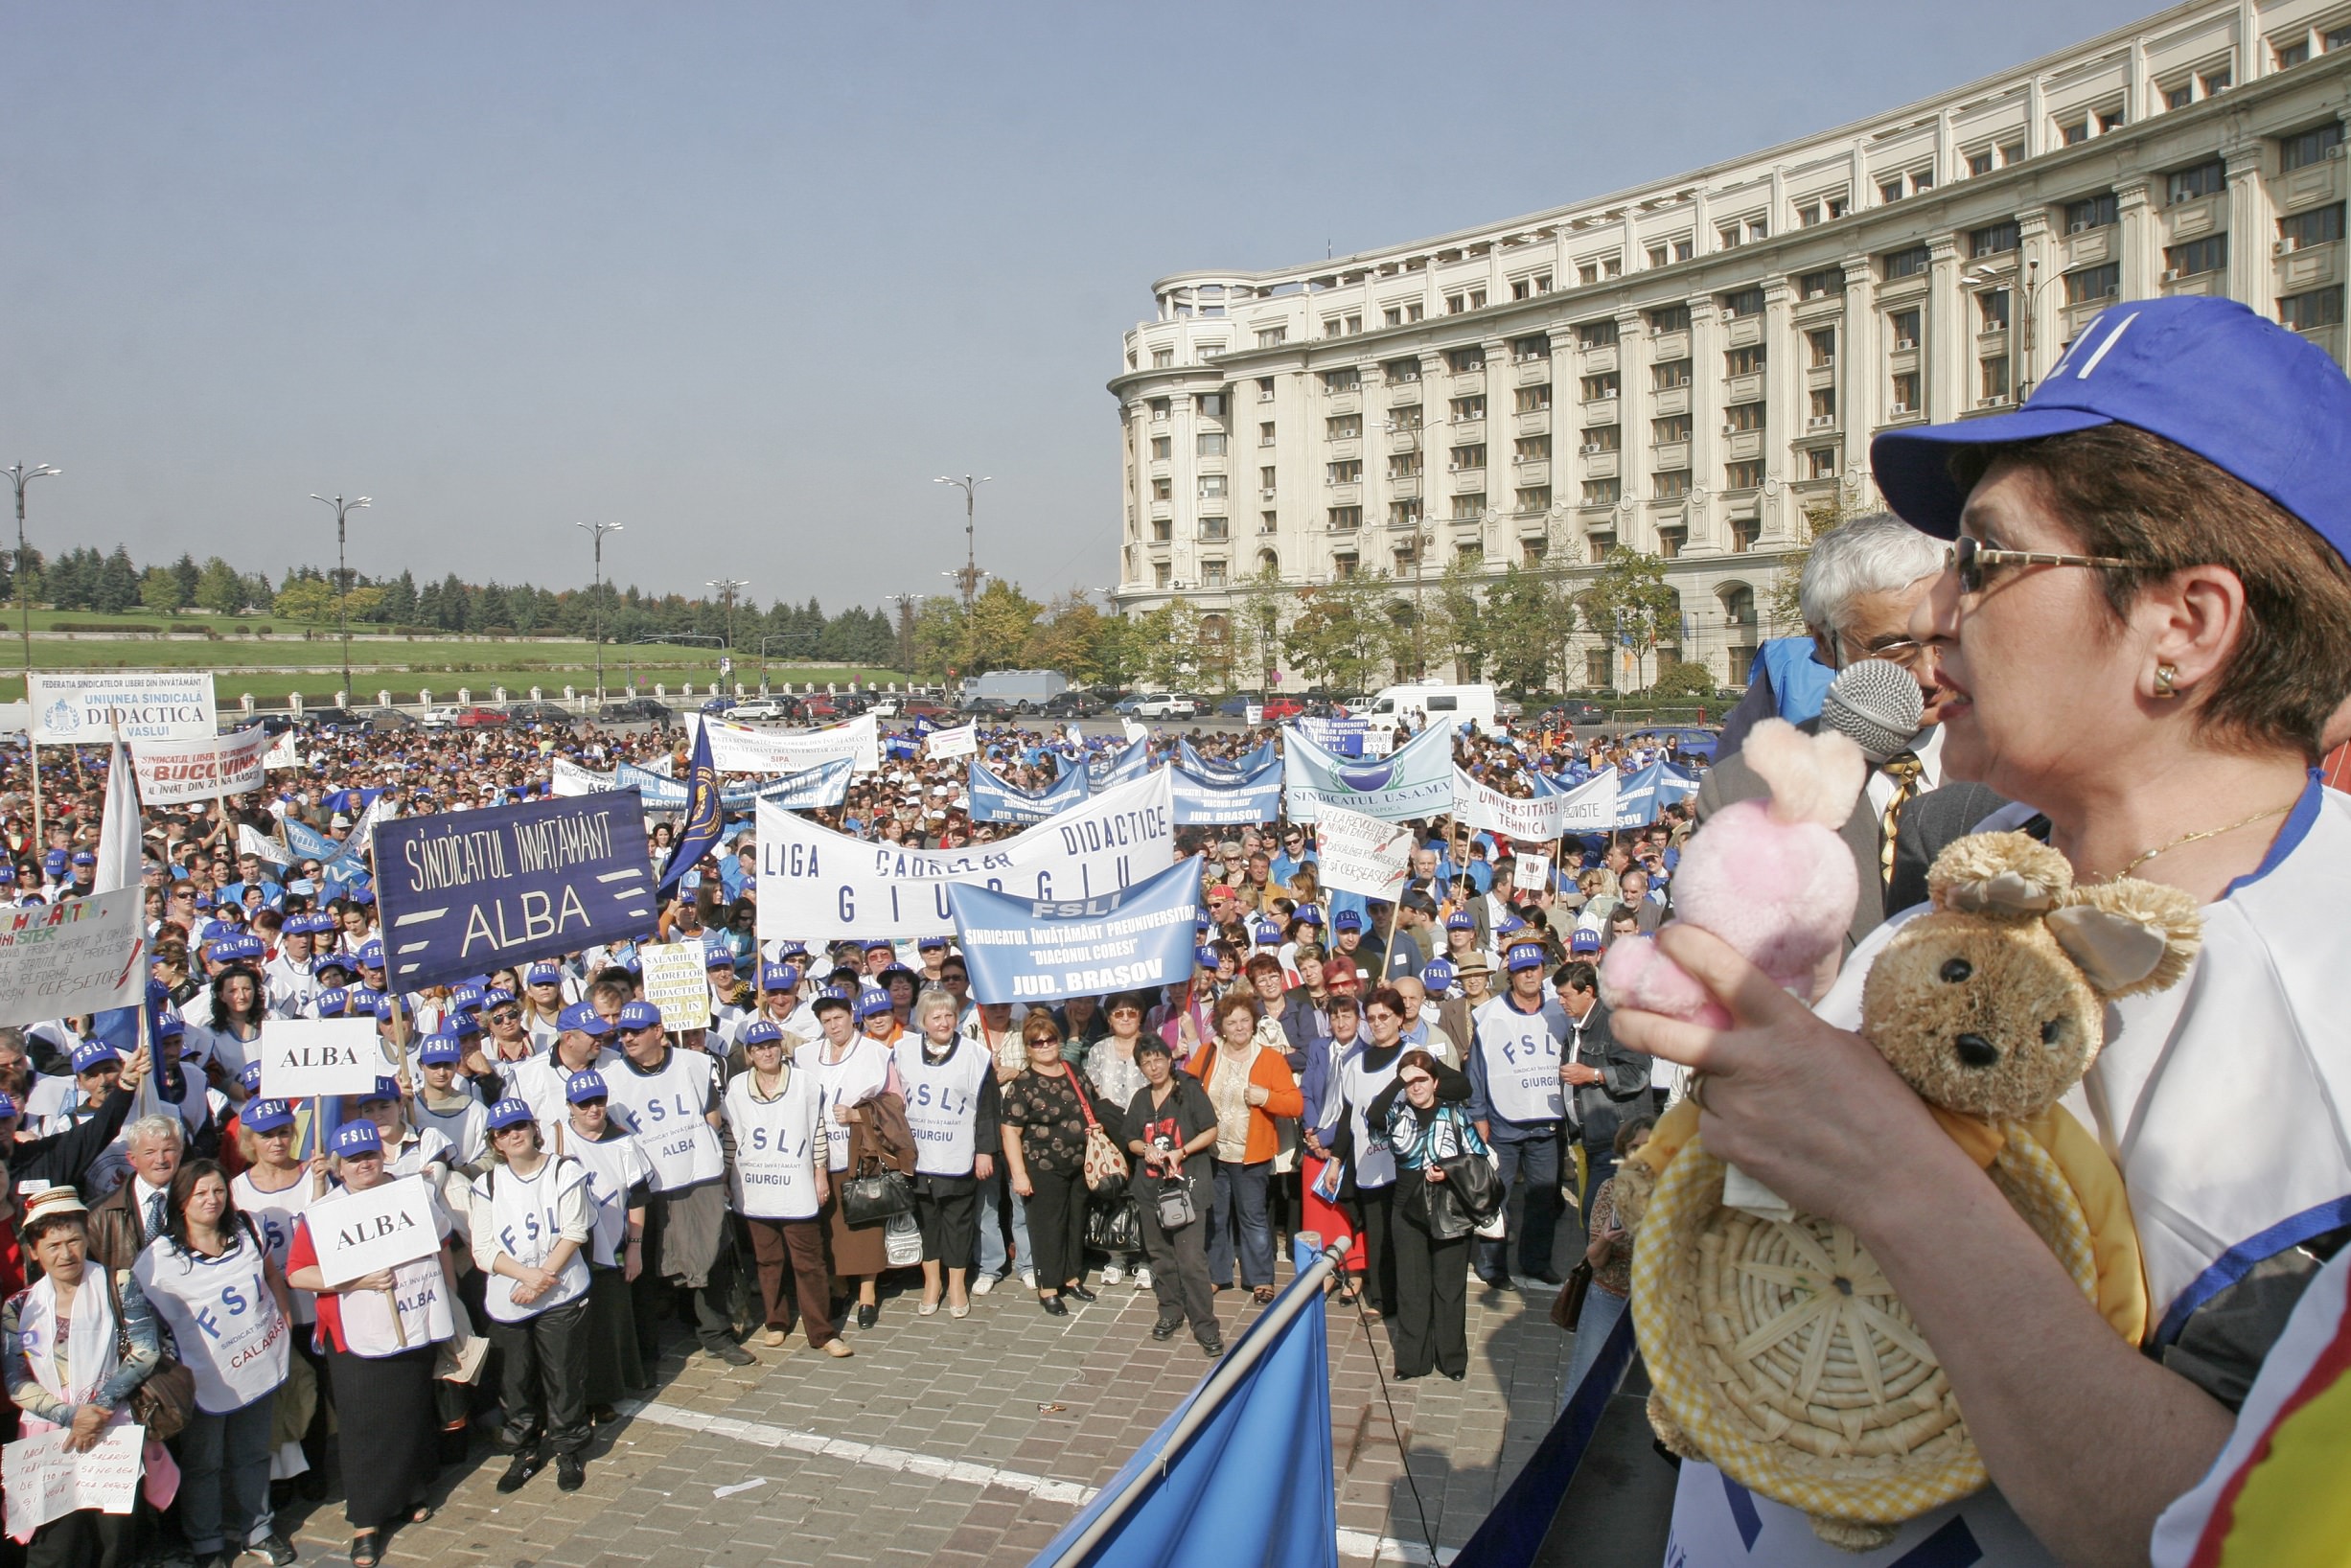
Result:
[[655, 791], [1253, 713], [1133, 732], [76, 956], [1043, 950], [387, 1225], [1226, 800], [740, 748], [286, 752], [993, 801], [814, 883], [170, 772], [1129, 762], [475, 890], [1533, 820], [302, 1057], [1342, 737], [1359, 854], [1416, 782], [826, 784], [93, 707], [570, 780], [1590, 807], [946, 744], [1650, 791], [1531, 872], [1378, 741], [253, 841], [677, 982], [45, 1480]]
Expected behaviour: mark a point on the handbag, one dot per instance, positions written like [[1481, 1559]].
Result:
[[1175, 1204], [879, 1195], [1105, 1165], [902, 1242], [167, 1399], [1114, 1225], [1475, 1180], [1567, 1307]]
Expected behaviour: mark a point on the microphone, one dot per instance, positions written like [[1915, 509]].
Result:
[[1876, 705]]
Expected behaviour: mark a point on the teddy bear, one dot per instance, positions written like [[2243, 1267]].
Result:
[[1776, 1349]]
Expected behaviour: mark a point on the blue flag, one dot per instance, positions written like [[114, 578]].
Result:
[[1131, 762], [1224, 799], [1030, 949], [993, 801], [1241, 1471], [699, 833]]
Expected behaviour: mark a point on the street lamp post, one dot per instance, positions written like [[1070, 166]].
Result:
[[2025, 284], [727, 588], [20, 476], [596, 532], [971, 574], [342, 576]]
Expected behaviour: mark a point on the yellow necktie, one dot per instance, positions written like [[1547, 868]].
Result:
[[1904, 768]]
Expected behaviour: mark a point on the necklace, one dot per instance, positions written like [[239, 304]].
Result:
[[2146, 854]]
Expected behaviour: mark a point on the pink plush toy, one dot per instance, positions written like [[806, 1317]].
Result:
[[1772, 877]]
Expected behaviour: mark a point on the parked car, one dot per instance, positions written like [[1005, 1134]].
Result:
[[480, 718], [1127, 705], [994, 707], [1689, 740], [636, 710], [1072, 704], [538, 713], [1278, 709], [761, 711], [1165, 706], [882, 707], [1577, 713], [817, 710], [388, 719], [1237, 705], [440, 718], [329, 717], [923, 708], [271, 723]]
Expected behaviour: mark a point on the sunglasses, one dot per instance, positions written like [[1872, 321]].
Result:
[[505, 1016], [1973, 560]]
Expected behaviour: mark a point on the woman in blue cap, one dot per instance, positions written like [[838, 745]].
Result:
[[383, 1333], [531, 1218], [2145, 632]]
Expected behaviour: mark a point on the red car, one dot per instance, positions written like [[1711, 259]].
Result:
[[480, 718], [818, 710], [922, 707], [1280, 708]]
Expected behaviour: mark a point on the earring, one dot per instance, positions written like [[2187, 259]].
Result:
[[2166, 675]]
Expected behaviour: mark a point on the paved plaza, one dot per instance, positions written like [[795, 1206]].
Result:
[[972, 1442]]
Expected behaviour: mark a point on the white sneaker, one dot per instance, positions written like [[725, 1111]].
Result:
[[1142, 1278], [1029, 1277], [983, 1284], [1112, 1274]]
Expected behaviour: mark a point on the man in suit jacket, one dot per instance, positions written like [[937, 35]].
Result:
[[1926, 827], [1608, 1081]]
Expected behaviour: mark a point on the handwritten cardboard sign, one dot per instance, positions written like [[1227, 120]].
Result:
[[44, 1481]]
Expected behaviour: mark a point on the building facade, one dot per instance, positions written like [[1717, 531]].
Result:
[[1694, 368]]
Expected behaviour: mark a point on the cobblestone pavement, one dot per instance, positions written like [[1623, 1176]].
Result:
[[961, 1444]]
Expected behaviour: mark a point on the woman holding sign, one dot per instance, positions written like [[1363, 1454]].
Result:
[[531, 1220], [73, 1357], [215, 1287], [382, 1331]]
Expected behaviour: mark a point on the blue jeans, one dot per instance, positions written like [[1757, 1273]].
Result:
[[1239, 1209], [992, 1255], [1600, 1310], [225, 1454], [1537, 1161]]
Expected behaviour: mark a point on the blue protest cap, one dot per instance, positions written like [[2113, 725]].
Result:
[[365, 999], [92, 1055], [2249, 397], [1309, 914], [250, 1077], [265, 1115], [1437, 974], [1209, 958], [1460, 920], [831, 996], [386, 1008], [356, 1138], [83, 857], [464, 1026], [8, 872], [639, 1015], [880, 944], [171, 1026], [930, 944], [718, 957], [332, 960], [371, 953], [778, 977], [791, 950], [441, 1050], [629, 962], [463, 996], [1525, 956], [496, 996], [585, 1085], [872, 1005], [332, 1003], [1346, 920], [543, 974], [582, 1019], [364, 895], [1583, 941], [1266, 933], [1511, 923], [53, 862], [203, 901], [385, 1089], [510, 1112], [762, 1034]]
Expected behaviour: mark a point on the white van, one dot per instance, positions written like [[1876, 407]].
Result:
[[1430, 702]]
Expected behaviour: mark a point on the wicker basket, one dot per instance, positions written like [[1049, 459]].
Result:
[[1781, 1354]]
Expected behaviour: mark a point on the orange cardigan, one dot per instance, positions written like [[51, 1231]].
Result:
[[1282, 1097]]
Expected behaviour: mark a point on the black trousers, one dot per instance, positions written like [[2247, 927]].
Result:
[[714, 1324], [544, 1388], [1179, 1261], [1057, 1225], [1374, 1219], [948, 1210], [1430, 1326], [84, 1538]]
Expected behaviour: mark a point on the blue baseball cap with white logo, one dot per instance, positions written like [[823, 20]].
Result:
[[510, 1112], [582, 1019], [92, 1053], [1460, 920], [266, 1116], [778, 977], [585, 1085], [639, 1015], [2253, 399], [1583, 941], [357, 1138], [1525, 956], [441, 1050], [762, 1034], [872, 1005], [1437, 974]]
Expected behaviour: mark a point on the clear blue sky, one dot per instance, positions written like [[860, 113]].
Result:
[[742, 278]]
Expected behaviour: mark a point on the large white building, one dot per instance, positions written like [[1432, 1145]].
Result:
[[1689, 367]]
